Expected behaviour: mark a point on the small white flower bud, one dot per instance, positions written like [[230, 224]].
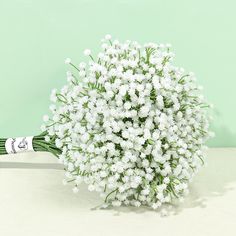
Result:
[[75, 190], [67, 61], [87, 52], [108, 37]]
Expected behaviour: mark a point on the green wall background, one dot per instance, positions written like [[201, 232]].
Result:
[[36, 37]]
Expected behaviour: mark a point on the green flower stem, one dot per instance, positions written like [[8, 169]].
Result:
[[106, 199], [74, 66]]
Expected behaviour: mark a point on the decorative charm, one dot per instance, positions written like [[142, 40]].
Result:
[[16, 145]]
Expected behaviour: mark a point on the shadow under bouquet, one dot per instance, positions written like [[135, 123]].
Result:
[[129, 124]]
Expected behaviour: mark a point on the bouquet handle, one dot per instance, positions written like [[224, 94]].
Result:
[[29, 144]]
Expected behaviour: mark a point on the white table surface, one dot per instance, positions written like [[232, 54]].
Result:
[[34, 202]]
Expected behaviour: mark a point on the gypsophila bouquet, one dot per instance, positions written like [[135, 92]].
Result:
[[129, 124]]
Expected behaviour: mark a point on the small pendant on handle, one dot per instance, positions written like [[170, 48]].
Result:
[[17, 145]]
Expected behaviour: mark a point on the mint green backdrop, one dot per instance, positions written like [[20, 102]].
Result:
[[36, 37]]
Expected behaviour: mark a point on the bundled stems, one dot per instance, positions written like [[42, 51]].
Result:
[[39, 145]]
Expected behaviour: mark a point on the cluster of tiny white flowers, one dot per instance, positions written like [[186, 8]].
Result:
[[130, 124]]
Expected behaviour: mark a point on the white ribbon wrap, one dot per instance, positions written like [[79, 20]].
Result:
[[21, 144]]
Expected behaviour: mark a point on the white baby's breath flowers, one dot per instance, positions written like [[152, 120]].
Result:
[[87, 52], [67, 61], [130, 124], [108, 37], [75, 190], [45, 118]]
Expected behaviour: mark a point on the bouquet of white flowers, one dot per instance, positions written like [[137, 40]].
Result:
[[129, 124]]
